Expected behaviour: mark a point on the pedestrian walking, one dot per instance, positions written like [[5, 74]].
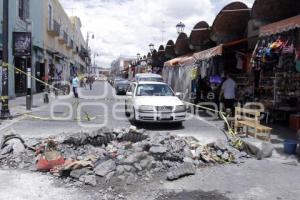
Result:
[[75, 83], [84, 82], [228, 91], [90, 82]]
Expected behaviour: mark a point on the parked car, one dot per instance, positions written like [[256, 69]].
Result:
[[121, 87], [109, 79], [148, 77], [116, 80], [150, 101]]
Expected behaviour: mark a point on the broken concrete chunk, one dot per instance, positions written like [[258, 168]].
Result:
[[188, 160], [221, 144], [104, 168], [225, 156], [258, 148], [129, 168], [120, 169], [266, 151], [109, 176], [89, 180], [138, 166], [147, 162], [135, 157], [130, 179], [158, 150], [181, 171], [77, 173]]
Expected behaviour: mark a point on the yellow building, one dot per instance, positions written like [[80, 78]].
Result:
[[63, 42]]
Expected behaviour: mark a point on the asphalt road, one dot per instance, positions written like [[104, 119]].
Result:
[[266, 179], [96, 108]]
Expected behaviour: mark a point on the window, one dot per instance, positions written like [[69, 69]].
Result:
[[23, 9], [154, 90], [50, 15]]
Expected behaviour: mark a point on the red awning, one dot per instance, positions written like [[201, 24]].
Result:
[[212, 52], [216, 51], [203, 55], [180, 60], [280, 26]]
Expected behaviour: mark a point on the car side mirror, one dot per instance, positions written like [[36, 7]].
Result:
[[179, 95], [129, 94]]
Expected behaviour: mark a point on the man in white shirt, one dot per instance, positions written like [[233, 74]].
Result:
[[75, 84], [228, 92]]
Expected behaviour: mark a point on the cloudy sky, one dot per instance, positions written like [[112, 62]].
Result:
[[126, 27]]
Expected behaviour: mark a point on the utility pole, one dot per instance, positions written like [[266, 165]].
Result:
[[5, 113], [87, 49], [29, 98]]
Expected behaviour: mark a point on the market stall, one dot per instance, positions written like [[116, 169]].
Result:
[[177, 73], [276, 68]]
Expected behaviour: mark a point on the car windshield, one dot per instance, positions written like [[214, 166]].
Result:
[[154, 90], [156, 79], [123, 83]]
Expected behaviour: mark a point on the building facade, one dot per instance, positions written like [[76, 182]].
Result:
[[58, 49], [120, 66]]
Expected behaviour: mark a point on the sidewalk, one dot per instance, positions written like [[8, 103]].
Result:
[[17, 106]]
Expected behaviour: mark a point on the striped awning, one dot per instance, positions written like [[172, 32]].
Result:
[[212, 52], [180, 60], [280, 26]]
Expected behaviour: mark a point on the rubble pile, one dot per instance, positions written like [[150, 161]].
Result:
[[14, 153], [123, 155]]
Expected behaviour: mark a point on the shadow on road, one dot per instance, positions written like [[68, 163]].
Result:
[[159, 126], [194, 195]]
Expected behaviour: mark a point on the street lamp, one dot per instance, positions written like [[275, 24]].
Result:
[[151, 47], [180, 27], [87, 48], [95, 54]]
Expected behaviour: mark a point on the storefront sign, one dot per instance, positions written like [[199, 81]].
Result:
[[22, 43]]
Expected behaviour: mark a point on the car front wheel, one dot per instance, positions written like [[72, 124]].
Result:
[[126, 111]]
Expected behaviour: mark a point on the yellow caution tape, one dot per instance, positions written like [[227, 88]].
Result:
[[11, 67], [236, 140]]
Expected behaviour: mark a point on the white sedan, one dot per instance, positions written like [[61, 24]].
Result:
[[154, 102]]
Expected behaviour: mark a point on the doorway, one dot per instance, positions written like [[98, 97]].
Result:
[[20, 78], [40, 75]]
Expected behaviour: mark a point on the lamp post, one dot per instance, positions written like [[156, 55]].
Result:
[[151, 47], [180, 27], [5, 113], [87, 48], [95, 54]]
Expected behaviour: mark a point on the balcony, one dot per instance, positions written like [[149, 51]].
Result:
[[75, 49], [70, 44], [83, 54], [53, 28], [63, 37]]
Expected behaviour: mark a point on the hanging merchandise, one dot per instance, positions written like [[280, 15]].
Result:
[[277, 45], [298, 61], [239, 59], [287, 58]]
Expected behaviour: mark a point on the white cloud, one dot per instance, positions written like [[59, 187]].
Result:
[[125, 27]]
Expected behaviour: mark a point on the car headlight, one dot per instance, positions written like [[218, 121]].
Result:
[[146, 108], [180, 108]]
